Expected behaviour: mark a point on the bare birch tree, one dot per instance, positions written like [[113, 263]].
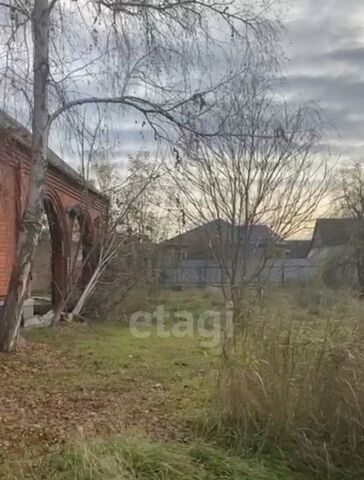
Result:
[[145, 57], [264, 168]]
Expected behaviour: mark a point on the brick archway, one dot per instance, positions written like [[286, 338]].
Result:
[[79, 215], [67, 199], [59, 245], [88, 243]]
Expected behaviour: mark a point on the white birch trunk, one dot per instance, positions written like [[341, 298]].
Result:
[[90, 287], [29, 228]]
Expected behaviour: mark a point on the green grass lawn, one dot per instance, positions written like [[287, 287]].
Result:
[[94, 402]]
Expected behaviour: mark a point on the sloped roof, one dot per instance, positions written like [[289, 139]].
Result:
[[258, 234], [330, 232], [298, 248], [209, 227], [23, 136]]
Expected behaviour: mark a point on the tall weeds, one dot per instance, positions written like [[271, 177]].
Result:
[[295, 382]]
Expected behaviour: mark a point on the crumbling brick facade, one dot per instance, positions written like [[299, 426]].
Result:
[[66, 201]]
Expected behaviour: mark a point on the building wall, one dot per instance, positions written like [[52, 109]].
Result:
[[191, 245], [41, 271], [7, 222], [203, 243], [338, 263], [64, 191]]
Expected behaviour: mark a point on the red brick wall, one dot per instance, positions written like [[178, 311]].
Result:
[[14, 171], [41, 271], [7, 222]]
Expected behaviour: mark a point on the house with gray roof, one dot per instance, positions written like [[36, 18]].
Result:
[[335, 246], [297, 248], [204, 241], [334, 236], [199, 255]]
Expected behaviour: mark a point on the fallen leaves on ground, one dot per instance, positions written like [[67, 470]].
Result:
[[39, 410]]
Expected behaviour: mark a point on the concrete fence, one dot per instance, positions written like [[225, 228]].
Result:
[[208, 273]]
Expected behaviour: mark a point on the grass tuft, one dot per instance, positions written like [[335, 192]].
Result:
[[138, 459]]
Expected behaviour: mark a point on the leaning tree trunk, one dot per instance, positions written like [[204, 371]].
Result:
[[30, 225], [89, 289]]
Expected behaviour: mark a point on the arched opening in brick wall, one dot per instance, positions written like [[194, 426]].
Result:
[[88, 245], [77, 255], [49, 272], [81, 255], [41, 284], [65, 190]]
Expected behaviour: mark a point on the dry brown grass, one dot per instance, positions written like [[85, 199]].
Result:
[[295, 382]]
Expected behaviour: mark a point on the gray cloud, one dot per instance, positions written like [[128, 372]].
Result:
[[350, 56], [325, 48], [325, 43]]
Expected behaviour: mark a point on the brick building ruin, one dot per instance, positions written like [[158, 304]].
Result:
[[68, 204]]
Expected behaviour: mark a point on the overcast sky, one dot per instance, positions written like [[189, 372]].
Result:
[[326, 51], [324, 45]]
